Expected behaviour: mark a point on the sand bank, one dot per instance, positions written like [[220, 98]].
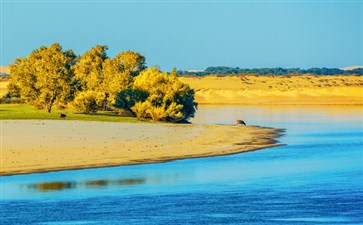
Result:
[[278, 90], [41, 146]]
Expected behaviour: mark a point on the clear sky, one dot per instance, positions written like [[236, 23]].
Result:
[[192, 34]]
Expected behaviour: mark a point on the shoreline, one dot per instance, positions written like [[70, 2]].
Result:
[[47, 145]]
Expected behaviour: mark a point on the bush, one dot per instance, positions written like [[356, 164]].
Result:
[[157, 113], [169, 99], [12, 101], [88, 101], [174, 112], [141, 109], [127, 98]]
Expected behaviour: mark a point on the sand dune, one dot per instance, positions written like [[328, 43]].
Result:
[[352, 67], [307, 89], [62, 145], [4, 69]]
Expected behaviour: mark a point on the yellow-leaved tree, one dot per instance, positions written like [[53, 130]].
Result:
[[88, 70], [44, 77], [96, 72], [88, 101], [119, 72], [160, 96]]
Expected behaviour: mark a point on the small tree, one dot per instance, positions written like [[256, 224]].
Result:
[[169, 98]]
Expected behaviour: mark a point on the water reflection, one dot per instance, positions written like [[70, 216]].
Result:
[[52, 186], [59, 186], [315, 179]]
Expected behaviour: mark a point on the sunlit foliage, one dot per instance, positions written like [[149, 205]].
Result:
[[88, 101], [43, 78], [95, 81], [97, 72], [169, 99], [88, 70]]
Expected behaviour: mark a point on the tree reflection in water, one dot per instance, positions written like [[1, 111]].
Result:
[[59, 186]]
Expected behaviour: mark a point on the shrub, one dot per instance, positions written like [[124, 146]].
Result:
[[174, 113], [88, 101], [141, 109], [157, 113], [12, 101], [127, 98], [169, 99]]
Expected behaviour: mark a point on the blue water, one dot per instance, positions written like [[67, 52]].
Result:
[[316, 178]]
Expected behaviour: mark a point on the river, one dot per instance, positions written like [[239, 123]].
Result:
[[316, 177]]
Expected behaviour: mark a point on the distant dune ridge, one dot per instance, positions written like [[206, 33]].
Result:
[[4, 69], [352, 68], [278, 90], [269, 89]]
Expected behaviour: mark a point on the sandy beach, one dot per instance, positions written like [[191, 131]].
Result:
[[40, 145], [278, 90]]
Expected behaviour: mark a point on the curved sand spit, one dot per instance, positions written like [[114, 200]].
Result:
[[41, 146]]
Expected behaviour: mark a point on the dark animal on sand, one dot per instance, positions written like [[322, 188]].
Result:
[[240, 122], [62, 115]]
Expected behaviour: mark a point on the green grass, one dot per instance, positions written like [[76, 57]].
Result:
[[27, 112]]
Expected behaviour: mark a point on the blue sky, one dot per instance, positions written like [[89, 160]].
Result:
[[192, 35]]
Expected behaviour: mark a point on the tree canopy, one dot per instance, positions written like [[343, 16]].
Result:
[[95, 71], [95, 81], [44, 76], [160, 96]]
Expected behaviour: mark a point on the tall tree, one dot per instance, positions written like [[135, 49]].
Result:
[[120, 71], [95, 71], [131, 62], [88, 70], [45, 76]]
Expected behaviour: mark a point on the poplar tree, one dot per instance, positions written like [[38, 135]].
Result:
[[120, 71], [44, 77], [96, 72]]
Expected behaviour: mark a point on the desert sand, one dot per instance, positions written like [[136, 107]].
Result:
[[4, 69], [41, 145], [278, 90]]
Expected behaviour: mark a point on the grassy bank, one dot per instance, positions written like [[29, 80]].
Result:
[[27, 112]]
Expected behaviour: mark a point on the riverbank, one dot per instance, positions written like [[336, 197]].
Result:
[[32, 146], [277, 90]]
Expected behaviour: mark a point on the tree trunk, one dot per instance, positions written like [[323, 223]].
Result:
[[52, 100], [48, 108]]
